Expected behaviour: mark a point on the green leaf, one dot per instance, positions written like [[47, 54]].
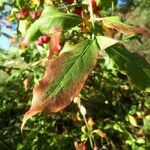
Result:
[[51, 18], [131, 64], [20, 3], [114, 22], [5, 1], [64, 78], [147, 124], [84, 137], [106, 4], [105, 42]]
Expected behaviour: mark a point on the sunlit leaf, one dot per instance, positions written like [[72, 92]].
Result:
[[114, 22], [105, 42], [132, 120], [100, 133], [51, 18], [63, 79], [131, 64], [35, 2], [23, 25]]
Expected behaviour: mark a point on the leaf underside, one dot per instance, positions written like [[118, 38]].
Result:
[[63, 79], [131, 64], [115, 23], [105, 42]]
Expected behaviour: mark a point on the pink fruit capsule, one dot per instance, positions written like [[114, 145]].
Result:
[[46, 38]]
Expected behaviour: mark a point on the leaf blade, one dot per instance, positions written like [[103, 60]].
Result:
[[105, 42], [114, 22], [51, 18], [63, 79], [131, 64]]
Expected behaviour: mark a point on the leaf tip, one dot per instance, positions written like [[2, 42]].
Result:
[[28, 115]]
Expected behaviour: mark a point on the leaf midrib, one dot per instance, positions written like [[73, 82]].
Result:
[[66, 73]]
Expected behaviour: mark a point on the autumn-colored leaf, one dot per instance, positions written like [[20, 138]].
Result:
[[55, 41], [100, 133], [63, 79], [114, 22]]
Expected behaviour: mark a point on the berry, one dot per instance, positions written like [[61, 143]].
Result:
[[43, 39], [78, 11], [84, 146], [8, 26], [69, 1], [24, 12], [35, 15], [95, 7], [95, 148], [59, 47], [46, 38], [39, 43]]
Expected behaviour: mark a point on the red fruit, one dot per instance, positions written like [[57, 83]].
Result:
[[78, 11], [24, 12], [7, 26], [46, 38], [59, 47], [84, 146], [95, 148], [69, 1], [41, 39], [95, 7], [39, 43], [35, 15], [39, 13]]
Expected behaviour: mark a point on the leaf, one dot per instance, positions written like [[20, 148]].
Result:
[[106, 4], [23, 25], [20, 3], [147, 124], [35, 2], [55, 41], [63, 79], [105, 42], [51, 17], [132, 120], [100, 133], [114, 22], [2, 2], [131, 64]]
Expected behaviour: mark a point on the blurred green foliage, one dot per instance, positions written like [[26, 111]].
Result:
[[119, 110]]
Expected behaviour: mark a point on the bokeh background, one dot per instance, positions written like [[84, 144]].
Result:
[[119, 110]]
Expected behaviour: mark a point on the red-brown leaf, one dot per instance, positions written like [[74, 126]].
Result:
[[63, 79]]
